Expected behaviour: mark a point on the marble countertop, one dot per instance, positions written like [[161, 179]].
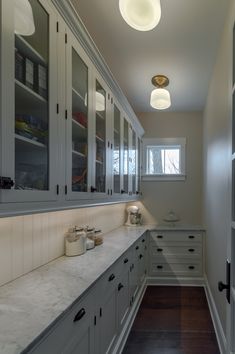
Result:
[[31, 303]]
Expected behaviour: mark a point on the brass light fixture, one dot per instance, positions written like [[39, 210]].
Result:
[[160, 97]]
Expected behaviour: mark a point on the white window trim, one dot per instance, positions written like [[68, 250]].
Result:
[[164, 141]]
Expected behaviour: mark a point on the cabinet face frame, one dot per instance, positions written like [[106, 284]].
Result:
[[8, 109]]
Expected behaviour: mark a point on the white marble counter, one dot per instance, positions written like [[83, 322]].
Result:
[[30, 304]]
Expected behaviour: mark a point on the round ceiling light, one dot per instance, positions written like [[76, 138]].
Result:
[[142, 15], [160, 97], [24, 22]]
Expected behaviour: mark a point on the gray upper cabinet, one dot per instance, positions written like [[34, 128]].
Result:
[[66, 139], [28, 110]]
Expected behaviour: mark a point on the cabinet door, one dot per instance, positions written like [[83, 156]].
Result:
[[138, 158], [134, 285], [117, 151], [79, 104], [101, 174], [123, 296], [125, 157], [134, 162], [29, 97]]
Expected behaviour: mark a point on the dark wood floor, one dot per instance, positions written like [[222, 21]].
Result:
[[172, 320]]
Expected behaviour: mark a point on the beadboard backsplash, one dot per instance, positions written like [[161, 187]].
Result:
[[27, 242]]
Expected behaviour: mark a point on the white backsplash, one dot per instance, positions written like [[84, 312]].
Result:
[[27, 242]]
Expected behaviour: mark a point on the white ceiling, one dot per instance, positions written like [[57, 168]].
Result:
[[183, 46]]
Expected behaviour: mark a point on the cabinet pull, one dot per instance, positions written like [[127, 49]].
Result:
[[140, 256], [126, 260], [112, 276], [143, 240], [6, 183], [159, 249], [123, 191], [101, 312], [79, 315], [191, 236], [159, 267], [137, 247], [93, 189], [191, 267], [191, 250], [120, 286], [159, 236]]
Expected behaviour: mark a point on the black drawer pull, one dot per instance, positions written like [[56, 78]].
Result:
[[191, 236], [159, 249], [143, 240], [112, 276], [159, 236], [79, 315], [137, 247], [126, 260], [191, 250], [140, 256], [191, 267], [159, 267], [120, 286]]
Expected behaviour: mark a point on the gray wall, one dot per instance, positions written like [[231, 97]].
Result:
[[184, 197], [217, 164]]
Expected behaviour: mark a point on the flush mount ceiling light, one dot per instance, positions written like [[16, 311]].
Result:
[[24, 22], [160, 97], [142, 15]]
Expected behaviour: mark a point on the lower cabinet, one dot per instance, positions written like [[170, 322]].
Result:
[[94, 323], [176, 253]]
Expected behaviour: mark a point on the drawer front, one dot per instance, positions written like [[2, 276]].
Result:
[[167, 250], [172, 269], [162, 237], [72, 330]]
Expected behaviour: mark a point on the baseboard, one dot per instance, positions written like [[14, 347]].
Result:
[[122, 338], [221, 339], [175, 281]]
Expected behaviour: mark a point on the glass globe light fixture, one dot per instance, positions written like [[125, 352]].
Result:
[[142, 15], [23, 15], [160, 97], [99, 101]]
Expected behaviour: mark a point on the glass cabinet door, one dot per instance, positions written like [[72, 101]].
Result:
[[100, 138], [133, 162], [117, 151], [79, 138], [31, 105], [138, 165], [125, 156]]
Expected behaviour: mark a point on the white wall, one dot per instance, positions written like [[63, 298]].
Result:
[[27, 242], [217, 164], [184, 197]]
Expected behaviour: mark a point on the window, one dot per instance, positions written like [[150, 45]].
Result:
[[164, 159]]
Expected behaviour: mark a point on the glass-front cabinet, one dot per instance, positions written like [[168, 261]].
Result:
[[29, 99], [134, 162], [116, 150]]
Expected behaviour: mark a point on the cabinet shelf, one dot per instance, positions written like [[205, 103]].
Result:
[[23, 93], [99, 162], [78, 94], [99, 115], [78, 153], [99, 138], [25, 140], [25, 48], [79, 124]]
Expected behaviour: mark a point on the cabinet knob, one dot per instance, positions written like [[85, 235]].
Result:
[[112, 276], [6, 183], [137, 247], [140, 256], [159, 249], [123, 191], [79, 315], [126, 260], [159, 236], [120, 286], [93, 189], [143, 240]]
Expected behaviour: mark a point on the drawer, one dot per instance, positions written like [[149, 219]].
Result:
[[176, 236], [168, 250], [67, 330], [181, 269]]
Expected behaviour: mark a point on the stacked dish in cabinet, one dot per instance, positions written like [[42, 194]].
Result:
[[176, 253]]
